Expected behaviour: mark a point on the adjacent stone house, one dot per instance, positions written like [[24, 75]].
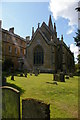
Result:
[[13, 47]]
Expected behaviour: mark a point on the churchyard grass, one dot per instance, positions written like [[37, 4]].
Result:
[[63, 98]]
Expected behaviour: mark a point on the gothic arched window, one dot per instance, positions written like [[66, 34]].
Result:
[[38, 56]]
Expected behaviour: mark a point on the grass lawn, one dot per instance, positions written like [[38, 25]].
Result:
[[63, 98]]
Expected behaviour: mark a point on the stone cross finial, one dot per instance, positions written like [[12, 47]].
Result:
[[54, 25], [32, 31], [62, 38], [38, 25]]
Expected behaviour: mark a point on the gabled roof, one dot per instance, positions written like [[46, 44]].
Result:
[[38, 30], [47, 28]]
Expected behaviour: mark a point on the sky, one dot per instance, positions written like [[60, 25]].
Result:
[[25, 15]]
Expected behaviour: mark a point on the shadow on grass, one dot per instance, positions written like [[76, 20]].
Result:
[[16, 87], [9, 73], [54, 83]]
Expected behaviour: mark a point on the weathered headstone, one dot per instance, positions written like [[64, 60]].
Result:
[[36, 74], [71, 74], [56, 77], [62, 77], [59, 77], [12, 77], [26, 75], [67, 77], [21, 75], [38, 70], [30, 74], [10, 103], [3, 81], [32, 108]]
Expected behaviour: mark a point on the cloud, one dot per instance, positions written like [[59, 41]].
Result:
[[65, 9], [75, 50], [25, 0], [70, 30]]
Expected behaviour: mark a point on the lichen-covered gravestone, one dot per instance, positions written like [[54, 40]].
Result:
[[10, 103], [35, 109], [59, 77]]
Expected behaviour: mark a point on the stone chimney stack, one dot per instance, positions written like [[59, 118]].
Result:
[[27, 38], [11, 30], [62, 38], [32, 31]]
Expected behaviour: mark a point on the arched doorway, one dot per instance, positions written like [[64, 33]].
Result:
[[38, 55]]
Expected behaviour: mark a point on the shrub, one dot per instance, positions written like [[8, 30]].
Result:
[[7, 64]]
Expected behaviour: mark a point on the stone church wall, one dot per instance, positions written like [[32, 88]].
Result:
[[39, 40]]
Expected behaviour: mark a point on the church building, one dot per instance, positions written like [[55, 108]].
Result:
[[47, 52]]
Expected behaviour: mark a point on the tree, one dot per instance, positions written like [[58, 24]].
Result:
[[77, 41], [78, 58], [78, 9], [7, 64], [77, 38]]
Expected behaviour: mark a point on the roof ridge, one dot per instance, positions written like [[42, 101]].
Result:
[[47, 27]]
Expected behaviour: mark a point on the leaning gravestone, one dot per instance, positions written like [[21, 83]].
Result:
[[10, 103], [32, 108]]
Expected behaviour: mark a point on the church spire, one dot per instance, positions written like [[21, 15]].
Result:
[[50, 25]]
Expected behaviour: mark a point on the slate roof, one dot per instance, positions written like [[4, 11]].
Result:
[[43, 34]]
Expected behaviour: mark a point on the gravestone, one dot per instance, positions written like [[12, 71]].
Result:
[[67, 77], [21, 75], [26, 75], [59, 77], [36, 74], [10, 103], [30, 74], [71, 74], [12, 77], [56, 77], [62, 77], [32, 108], [3, 81]]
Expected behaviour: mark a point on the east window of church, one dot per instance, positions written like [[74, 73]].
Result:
[[38, 56]]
